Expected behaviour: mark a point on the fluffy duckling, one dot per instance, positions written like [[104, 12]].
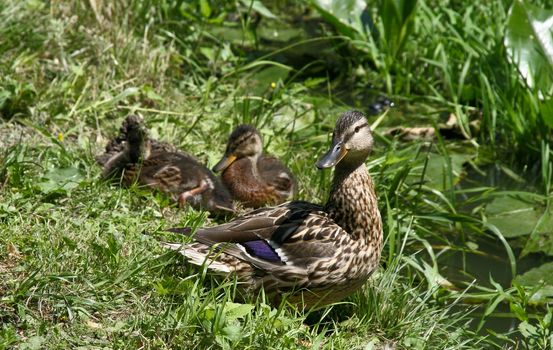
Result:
[[253, 178], [133, 157]]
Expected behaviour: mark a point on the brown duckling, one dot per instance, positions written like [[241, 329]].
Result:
[[253, 178], [133, 157]]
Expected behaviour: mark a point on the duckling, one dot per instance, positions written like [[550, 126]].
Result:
[[253, 178], [118, 146], [133, 157], [314, 254]]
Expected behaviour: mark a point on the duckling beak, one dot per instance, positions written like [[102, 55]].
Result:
[[332, 157], [224, 163]]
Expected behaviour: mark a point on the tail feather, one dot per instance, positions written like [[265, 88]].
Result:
[[196, 257]]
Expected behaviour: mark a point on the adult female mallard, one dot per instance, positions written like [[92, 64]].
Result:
[[134, 158], [315, 254], [253, 178]]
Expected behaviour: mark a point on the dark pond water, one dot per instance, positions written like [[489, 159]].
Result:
[[491, 260]]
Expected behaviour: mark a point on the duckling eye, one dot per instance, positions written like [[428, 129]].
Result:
[[357, 128]]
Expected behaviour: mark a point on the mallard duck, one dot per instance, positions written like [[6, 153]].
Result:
[[315, 254], [133, 157], [253, 178]]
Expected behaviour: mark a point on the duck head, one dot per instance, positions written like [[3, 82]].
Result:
[[245, 141], [352, 141]]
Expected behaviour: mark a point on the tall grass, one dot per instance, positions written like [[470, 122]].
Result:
[[452, 56]]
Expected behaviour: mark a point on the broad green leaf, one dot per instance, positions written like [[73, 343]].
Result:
[[236, 310], [437, 170], [538, 275], [346, 16], [281, 33], [516, 217], [33, 343], [233, 331], [546, 110], [398, 20], [232, 35], [258, 6], [541, 242], [60, 180], [262, 81], [527, 330], [541, 275], [529, 43], [205, 9]]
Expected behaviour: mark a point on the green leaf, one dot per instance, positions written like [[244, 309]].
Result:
[[33, 343], [233, 332], [205, 9], [398, 20], [280, 33], [538, 275], [345, 15], [234, 311], [527, 330], [437, 171], [516, 217], [261, 81], [61, 180], [529, 43], [546, 111], [518, 310], [111, 101], [258, 6]]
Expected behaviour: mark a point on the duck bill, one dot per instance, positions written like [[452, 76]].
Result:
[[332, 157], [224, 163]]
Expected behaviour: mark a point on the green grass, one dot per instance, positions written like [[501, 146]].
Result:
[[80, 272], [77, 269]]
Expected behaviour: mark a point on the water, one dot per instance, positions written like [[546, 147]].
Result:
[[490, 260]]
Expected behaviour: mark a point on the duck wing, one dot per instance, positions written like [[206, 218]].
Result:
[[295, 233]]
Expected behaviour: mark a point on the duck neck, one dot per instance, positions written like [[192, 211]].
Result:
[[352, 204]]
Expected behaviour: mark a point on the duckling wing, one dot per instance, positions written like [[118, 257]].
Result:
[[276, 174], [171, 172]]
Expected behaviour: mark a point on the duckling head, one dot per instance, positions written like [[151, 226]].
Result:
[[245, 141], [352, 141]]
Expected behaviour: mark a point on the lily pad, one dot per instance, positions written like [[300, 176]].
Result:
[[264, 80], [541, 275], [518, 216], [280, 34], [437, 170]]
